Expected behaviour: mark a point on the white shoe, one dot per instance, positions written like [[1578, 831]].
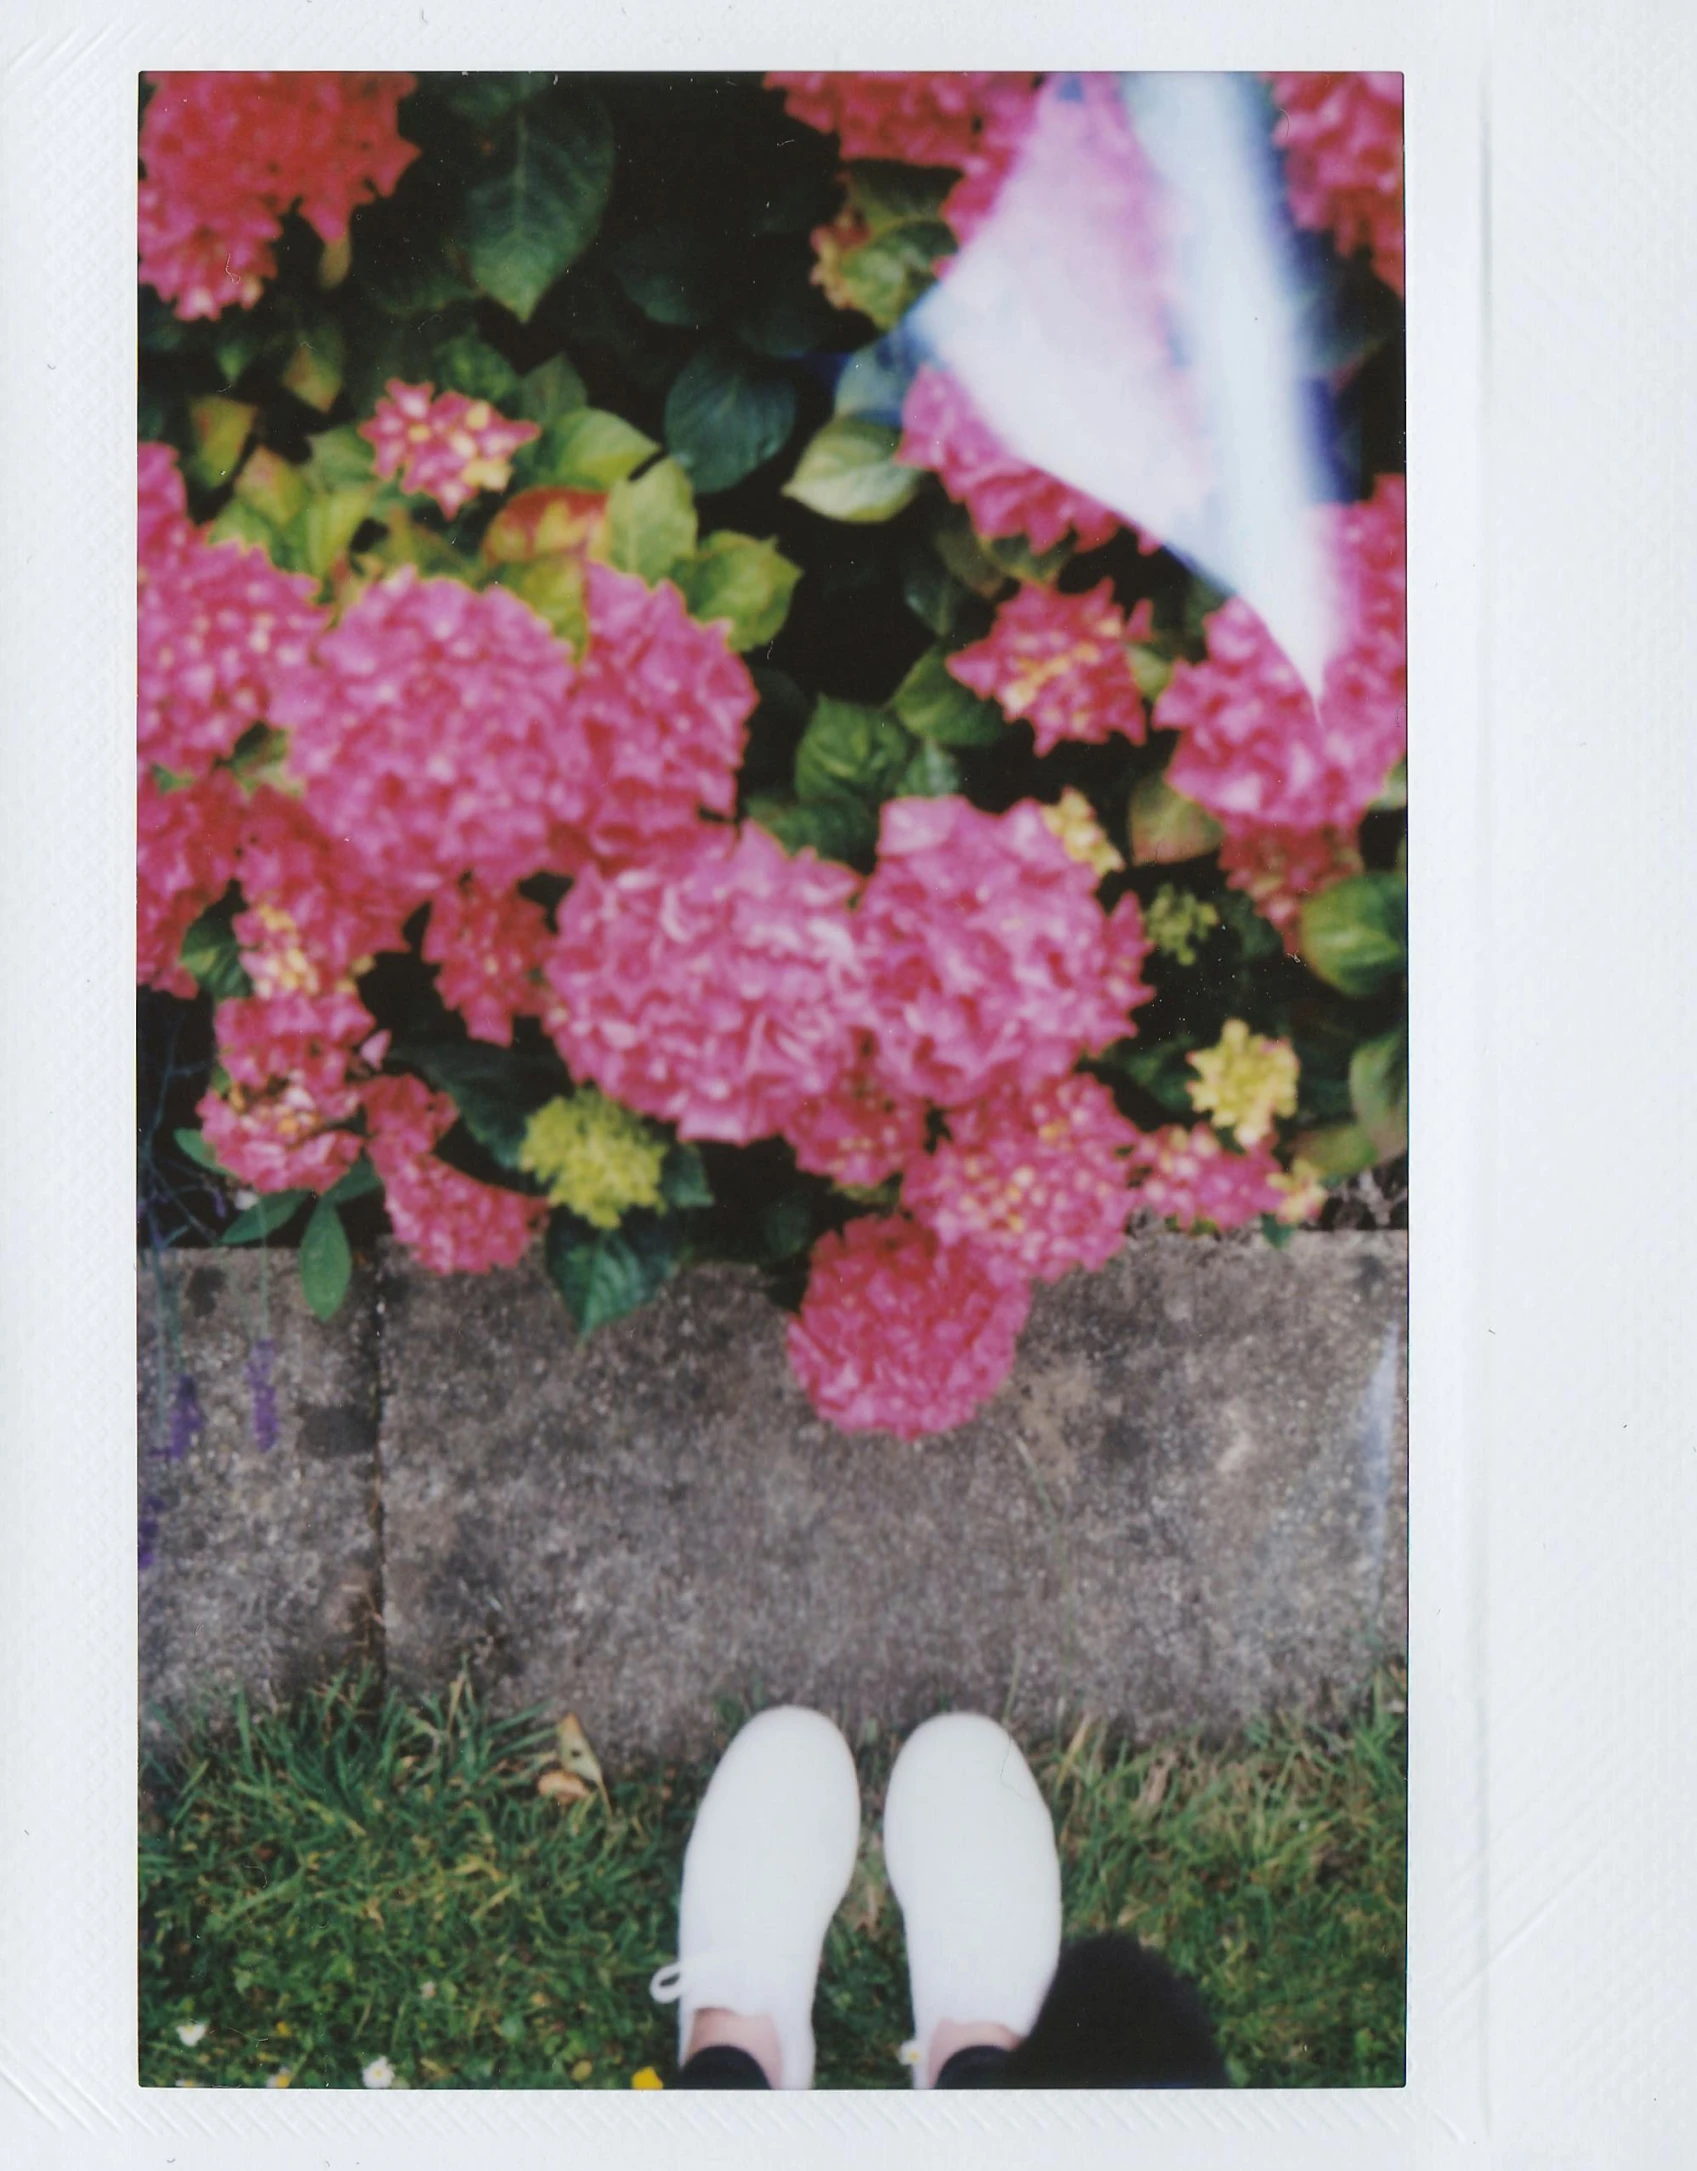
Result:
[[970, 1851], [768, 1863]]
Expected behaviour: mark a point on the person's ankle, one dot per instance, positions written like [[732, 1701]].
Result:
[[715, 2026], [951, 2035]]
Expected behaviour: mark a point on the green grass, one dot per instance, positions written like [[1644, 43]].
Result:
[[358, 1877]]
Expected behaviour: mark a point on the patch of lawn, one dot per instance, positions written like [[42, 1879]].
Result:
[[359, 1878]]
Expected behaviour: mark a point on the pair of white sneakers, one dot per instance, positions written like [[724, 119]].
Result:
[[970, 1851]]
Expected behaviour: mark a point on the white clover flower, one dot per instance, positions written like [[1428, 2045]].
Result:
[[378, 2074], [189, 2032]]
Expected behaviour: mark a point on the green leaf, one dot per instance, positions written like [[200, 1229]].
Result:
[[886, 192], [330, 523], [265, 1217], [587, 449], [1149, 669], [194, 1145], [221, 428], [339, 459], [211, 953], [269, 486], [496, 1090], [487, 96], [885, 276], [931, 591], [668, 272], [850, 747], [683, 1178], [554, 589], [537, 211], [1166, 827], [651, 522], [239, 523], [1337, 1150], [745, 583], [1378, 1091], [313, 373], [839, 827], [552, 389], [931, 774], [471, 365], [726, 415], [1014, 554], [935, 705], [603, 1274], [963, 554], [1355, 934], [359, 1183], [1162, 1069], [326, 1262], [785, 1226], [788, 316], [1393, 793], [849, 471]]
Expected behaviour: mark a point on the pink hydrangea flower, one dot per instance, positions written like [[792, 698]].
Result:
[[715, 985], [1037, 1181], [228, 153], [315, 913], [448, 448], [1255, 750], [433, 731], [856, 1133], [988, 960], [163, 526], [216, 627], [1277, 868], [1189, 1176], [1060, 661], [449, 1222], [942, 430], [1342, 140], [662, 705], [185, 858], [960, 119], [490, 946], [902, 1333], [291, 1060]]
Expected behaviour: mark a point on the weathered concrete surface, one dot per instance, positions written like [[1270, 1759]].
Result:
[[264, 1568], [1188, 1505]]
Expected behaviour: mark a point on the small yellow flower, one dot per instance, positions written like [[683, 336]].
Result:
[[281, 2078], [1179, 923], [1305, 1194], [1245, 1081], [1073, 819], [594, 1156], [646, 2077]]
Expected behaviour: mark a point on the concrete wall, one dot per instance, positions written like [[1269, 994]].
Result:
[[1187, 1506]]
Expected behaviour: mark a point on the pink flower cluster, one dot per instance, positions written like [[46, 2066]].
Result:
[[1342, 140], [447, 447], [217, 625], [293, 1087], [315, 912], [1277, 868], [1189, 1176], [972, 120], [857, 1133], [448, 1221], [431, 730], [490, 946], [900, 1332], [942, 430], [445, 730], [185, 858], [988, 959], [1060, 661], [714, 985], [1036, 1181], [661, 705], [1259, 753], [228, 153]]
